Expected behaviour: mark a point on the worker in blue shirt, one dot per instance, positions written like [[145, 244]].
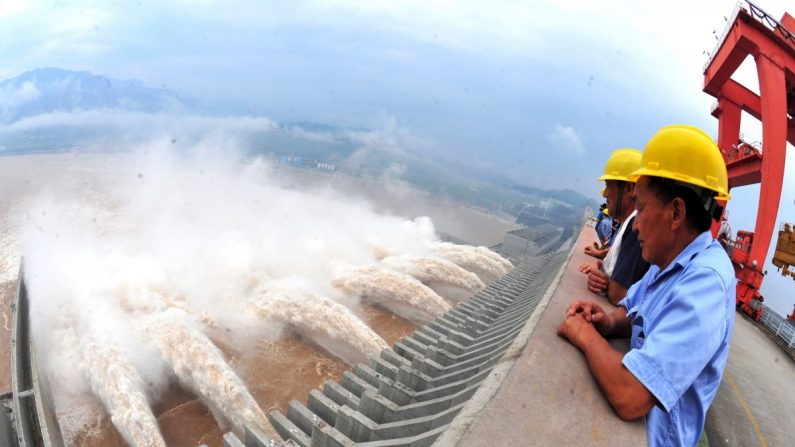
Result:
[[604, 228], [601, 214], [680, 315]]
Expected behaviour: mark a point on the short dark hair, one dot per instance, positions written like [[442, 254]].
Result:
[[667, 190]]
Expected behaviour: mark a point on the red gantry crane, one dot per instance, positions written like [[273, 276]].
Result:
[[753, 32]]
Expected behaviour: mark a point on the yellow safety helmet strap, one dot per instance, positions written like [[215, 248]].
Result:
[[621, 190]]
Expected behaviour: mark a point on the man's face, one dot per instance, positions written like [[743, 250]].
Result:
[[612, 188], [652, 223]]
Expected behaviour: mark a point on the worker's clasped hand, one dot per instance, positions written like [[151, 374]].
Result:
[[589, 309], [591, 313], [586, 267], [597, 279], [575, 329]]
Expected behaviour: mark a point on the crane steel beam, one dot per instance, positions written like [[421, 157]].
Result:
[[752, 32]]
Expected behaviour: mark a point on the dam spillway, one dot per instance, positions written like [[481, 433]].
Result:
[[413, 391], [408, 395]]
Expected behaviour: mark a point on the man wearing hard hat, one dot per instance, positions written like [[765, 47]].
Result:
[[680, 315], [623, 264]]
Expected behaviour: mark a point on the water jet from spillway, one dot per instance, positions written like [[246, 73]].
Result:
[[396, 291], [200, 366], [318, 318], [494, 256], [434, 270], [469, 258], [121, 389]]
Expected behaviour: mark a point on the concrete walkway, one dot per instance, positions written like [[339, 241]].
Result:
[[755, 405]]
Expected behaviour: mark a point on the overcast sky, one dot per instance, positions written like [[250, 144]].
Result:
[[540, 90]]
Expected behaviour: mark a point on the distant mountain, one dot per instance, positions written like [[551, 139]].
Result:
[[47, 90], [564, 195], [53, 109]]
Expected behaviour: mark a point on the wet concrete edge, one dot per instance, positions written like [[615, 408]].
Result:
[[489, 387]]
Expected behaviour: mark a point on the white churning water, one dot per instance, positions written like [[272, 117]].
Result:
[[121, 390], [201, 366], [384, 287], [316, 315], [487, 267], [431, 270]]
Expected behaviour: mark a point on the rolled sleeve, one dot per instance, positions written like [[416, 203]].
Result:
[[648, 373]]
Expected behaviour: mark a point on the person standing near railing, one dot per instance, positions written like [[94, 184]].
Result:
[[680, 315], [604, 228]]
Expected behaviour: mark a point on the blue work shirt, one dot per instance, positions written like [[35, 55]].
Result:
[[604, 229], [682, 320]]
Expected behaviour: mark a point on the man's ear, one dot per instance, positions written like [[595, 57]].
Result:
[[678, 212]]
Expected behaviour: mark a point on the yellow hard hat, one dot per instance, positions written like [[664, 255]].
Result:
[[621, 163], [688, 155], [605, 212]]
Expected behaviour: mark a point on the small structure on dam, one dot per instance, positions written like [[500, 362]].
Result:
[[531, 241]]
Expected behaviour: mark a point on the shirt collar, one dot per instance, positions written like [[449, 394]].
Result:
[[701, 242]]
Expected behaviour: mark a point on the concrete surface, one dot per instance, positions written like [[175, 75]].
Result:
[[755, 405]]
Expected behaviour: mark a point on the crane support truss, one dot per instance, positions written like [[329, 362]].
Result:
[[752, 32]]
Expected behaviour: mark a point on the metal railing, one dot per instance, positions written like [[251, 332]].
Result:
[[711, 55], [781, 327], [761, 16]]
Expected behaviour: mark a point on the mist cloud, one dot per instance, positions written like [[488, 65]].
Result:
[[141, 123], [12, 97], [565, 137]]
